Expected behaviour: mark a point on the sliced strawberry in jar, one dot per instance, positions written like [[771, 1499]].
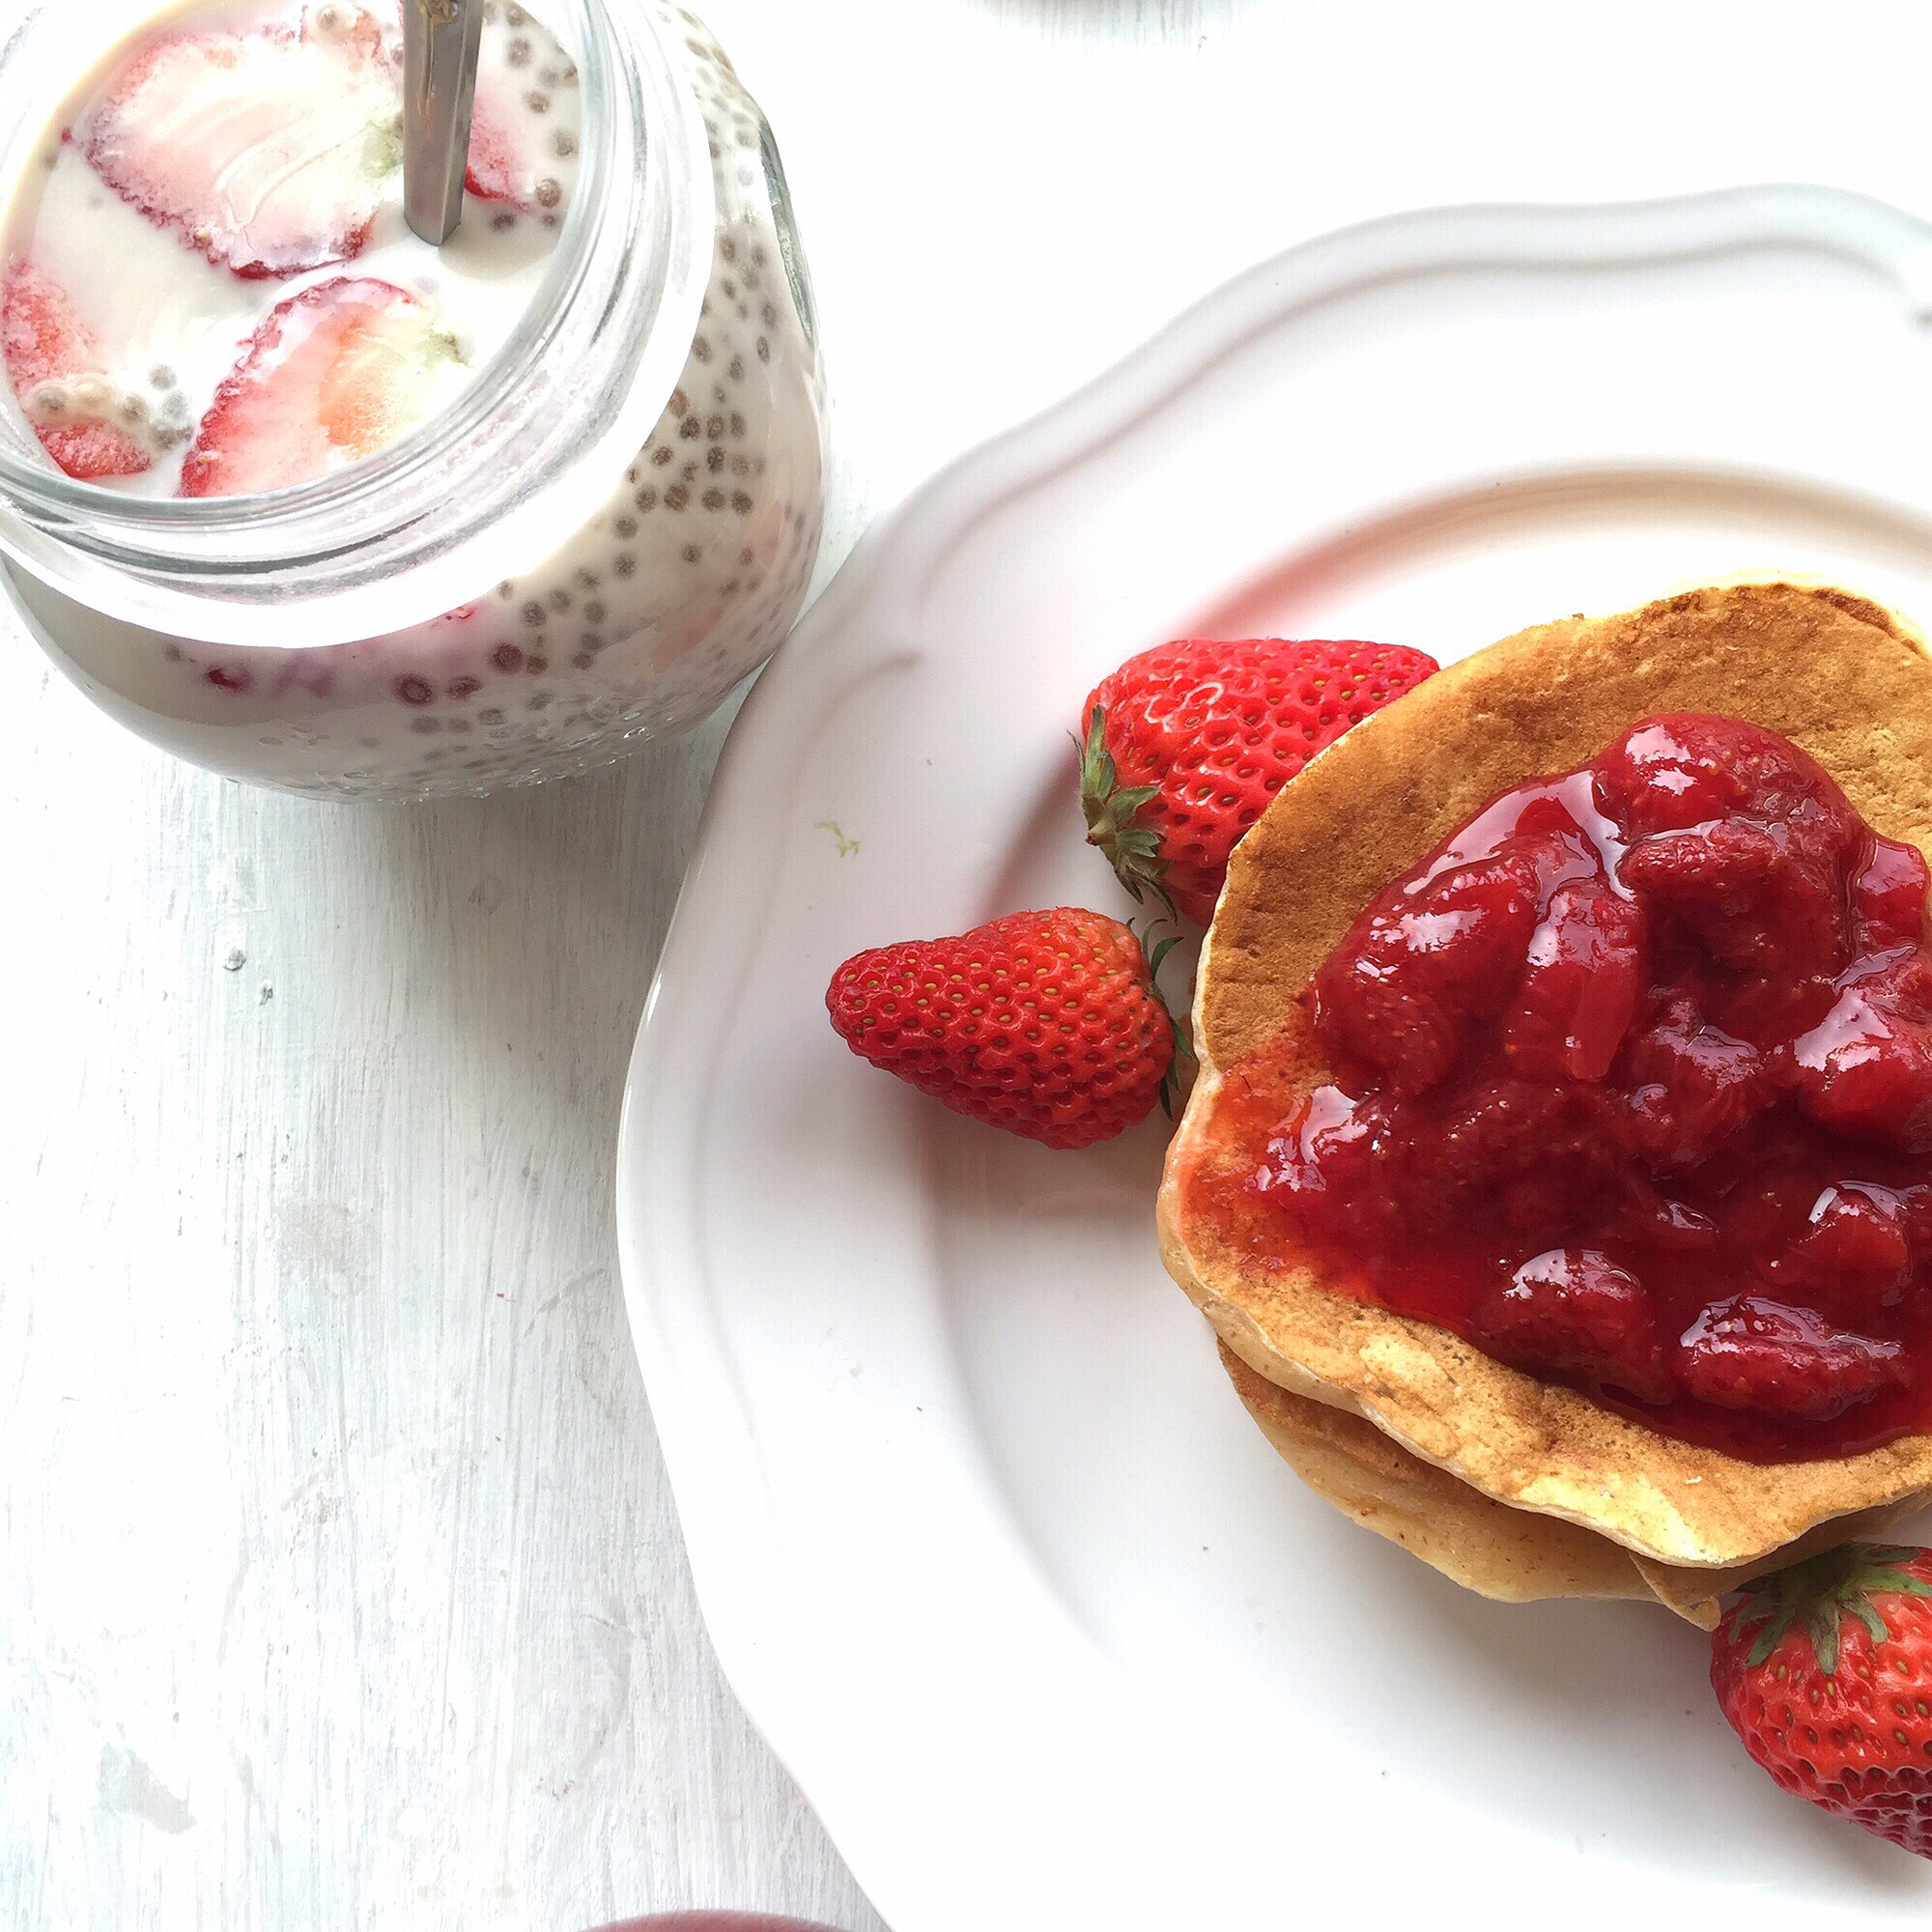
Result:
[[334, 374], [1573, 1313], [268, 151], [524, 125], [1788, 1363], [1579, 992], [89, 426]]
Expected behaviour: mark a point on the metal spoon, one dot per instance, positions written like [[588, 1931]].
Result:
[[440, 39]]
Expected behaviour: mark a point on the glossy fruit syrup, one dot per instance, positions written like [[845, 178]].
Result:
[[1631, 1085]]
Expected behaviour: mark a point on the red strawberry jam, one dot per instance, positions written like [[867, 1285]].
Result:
[[1632, 1087]]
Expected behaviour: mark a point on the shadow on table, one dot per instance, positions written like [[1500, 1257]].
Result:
[[538, 917]]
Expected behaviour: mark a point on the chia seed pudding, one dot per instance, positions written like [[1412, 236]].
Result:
[[682, 582]]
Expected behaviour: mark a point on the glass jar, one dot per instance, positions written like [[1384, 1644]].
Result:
[[613, 524]]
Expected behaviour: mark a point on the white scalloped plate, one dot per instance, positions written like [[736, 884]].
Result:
[[988, 1547]]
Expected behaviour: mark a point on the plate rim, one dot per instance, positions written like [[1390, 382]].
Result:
[[710, 1473]]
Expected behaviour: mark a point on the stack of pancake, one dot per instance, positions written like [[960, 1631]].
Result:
[[1516, 1488]]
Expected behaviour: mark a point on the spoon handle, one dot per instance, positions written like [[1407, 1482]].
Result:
[[439, 42]]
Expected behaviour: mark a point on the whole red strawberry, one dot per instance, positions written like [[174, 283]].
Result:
[[1825, 1671], [1185, 744], [1045, 1023]]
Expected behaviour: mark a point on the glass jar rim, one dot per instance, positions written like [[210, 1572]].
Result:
[[486, 488]]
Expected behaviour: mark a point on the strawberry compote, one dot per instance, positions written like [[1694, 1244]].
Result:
[[1632, 1087]]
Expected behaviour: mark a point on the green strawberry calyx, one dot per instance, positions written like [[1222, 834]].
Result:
[[1180, 1065], [1111, 811], [1820, 1593]]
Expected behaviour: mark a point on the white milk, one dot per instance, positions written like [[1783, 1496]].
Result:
[[637, 625], [170, 324]]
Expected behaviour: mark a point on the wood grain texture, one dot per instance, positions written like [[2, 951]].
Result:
[[339, 1584], [342, 1585]]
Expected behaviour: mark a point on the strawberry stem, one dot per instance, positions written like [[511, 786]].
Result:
[[1820, 1593], [1183, 1062], [1111, 811]]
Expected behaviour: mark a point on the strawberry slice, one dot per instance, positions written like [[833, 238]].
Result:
[[525, 122], [334, 374], [54, 364], [267, 149]]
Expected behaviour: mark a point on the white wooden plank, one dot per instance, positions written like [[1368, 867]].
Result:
[[342, 1583]]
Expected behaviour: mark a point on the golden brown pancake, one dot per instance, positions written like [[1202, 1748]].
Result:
[[1513, 1555], [1838, 675], [1506, 1553]]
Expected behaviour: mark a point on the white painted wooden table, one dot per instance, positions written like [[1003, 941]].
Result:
[[339, 1583]]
